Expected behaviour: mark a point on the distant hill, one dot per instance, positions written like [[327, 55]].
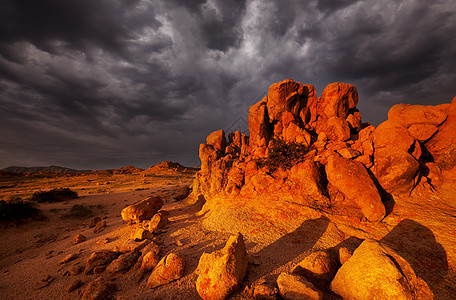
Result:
[[168, 167], [42, 170]]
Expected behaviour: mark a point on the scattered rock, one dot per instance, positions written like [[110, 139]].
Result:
[[182, 193], [150, 261], [94, 222], [98, 289], [221, 272], [131, 245], [296, 287], [344, 255], [170, 268], [377, 272], [68, 258], [99, 269], [99, 258], [142, 210], [103, 241], [100, 226], [44, 282], [141, 234], [75, 270], [264, 291], [79, 238], [73, 285], [317, 266], [123, 262], [153, 258], [158, 221]]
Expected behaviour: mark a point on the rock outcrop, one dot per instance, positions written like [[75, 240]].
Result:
[[305, 151], [221, 272]]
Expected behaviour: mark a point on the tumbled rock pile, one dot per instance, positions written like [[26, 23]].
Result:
[[318, 153]]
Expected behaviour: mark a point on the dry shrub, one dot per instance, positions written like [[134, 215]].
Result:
[[284, 155], [79, 211], [55, 195], [18, 210]]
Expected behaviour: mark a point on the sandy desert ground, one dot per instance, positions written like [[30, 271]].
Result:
[[30, 252]]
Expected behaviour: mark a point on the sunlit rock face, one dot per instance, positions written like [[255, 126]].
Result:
[[317, 153]]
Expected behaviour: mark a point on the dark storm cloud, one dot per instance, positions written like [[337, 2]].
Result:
[[99, 84]]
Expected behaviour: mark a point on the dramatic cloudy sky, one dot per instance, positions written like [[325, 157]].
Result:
[[104, 83]]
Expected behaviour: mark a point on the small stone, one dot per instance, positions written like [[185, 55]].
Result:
[[158, 221], [73, 285], [103, 241], [98, 290], [344, 255], [149, 261], [68, 258], [75, 270], [182, 193], [79, 238], [141, 234], [263, 291], [99, 258], [123, 262], [295, 287], [318, 266], [155, 250], [94, 222], [99, 227], [44, 282], [170, 268], [99, 269]]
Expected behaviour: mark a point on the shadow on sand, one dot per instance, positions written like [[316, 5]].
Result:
[[288, 247], [417, 244]]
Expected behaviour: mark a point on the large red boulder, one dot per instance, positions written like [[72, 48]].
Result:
[[352, 180], [392, 134], [375, 271], [337, 99], [307, 183], [395, 169], [217, 140], [286, 95], [407, 115], [442, 146]]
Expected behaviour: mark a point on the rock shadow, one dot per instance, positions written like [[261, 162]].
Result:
[[287, 248], [417, 244]]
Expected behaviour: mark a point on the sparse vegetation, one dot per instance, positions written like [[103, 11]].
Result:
[[18, 210], [285, 155], [55, 195], [79, 211]]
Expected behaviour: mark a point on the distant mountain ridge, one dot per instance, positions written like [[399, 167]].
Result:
[[49, 169]]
